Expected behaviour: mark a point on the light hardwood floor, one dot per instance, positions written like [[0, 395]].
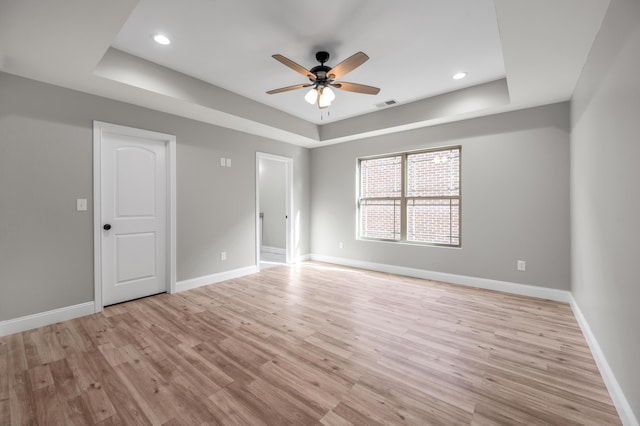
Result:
[[312, 344]]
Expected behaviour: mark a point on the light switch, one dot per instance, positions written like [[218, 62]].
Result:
[[228, 162], [223, 162], [81, 204]]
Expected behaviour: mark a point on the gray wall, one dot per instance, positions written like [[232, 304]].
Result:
[[46, 247], [605, 199], [273, 175], [515, 198]]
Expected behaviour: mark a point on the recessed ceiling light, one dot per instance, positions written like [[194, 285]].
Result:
[[459, 75], [162, 39]]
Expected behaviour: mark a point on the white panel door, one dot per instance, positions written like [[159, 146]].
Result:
[[134, 217]]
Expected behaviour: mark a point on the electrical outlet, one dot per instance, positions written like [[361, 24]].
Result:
[[521, 265], [223, 161], [223, 255], [228, 162], [340, 244]]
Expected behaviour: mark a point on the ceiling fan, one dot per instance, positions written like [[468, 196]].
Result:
[[322, 78]]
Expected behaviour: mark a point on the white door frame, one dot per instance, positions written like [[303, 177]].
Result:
[[288, 205], [170, 142]]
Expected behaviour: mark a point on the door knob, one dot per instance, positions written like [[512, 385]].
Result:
[[106, 227]]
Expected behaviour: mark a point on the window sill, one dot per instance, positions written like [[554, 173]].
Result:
[[409, 243]]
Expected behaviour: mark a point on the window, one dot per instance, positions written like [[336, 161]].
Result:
[[411, 197]]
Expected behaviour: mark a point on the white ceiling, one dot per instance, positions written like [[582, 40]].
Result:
[[415, 46], [219, 64]]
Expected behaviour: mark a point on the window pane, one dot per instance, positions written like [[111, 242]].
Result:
[[433, 221], [380, 219], [381, 177], [434, 174]]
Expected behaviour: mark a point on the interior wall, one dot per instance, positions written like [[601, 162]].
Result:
[[515, 198], [273, 175], [605, 200], [46, 247]]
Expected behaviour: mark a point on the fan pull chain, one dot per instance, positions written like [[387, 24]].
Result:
[[322, 114]]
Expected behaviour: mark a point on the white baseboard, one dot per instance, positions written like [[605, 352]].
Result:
[[303, 258], [41, 319], [507, 287], [619, 400], [275, 250], [215, 278]]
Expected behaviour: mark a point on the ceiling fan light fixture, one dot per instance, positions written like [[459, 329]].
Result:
[[311, 96], [323, 103], [459, 75], [326, 97]]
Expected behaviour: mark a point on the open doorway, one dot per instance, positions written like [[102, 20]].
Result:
[[273, 210]]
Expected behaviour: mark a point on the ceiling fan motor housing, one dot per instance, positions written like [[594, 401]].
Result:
[[320, 71]]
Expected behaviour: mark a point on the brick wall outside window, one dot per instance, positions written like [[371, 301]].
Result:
[[430, 197]]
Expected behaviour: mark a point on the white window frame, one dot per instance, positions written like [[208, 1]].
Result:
[[404, 199]]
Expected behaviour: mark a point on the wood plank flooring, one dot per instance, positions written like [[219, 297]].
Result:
[[310, 344]]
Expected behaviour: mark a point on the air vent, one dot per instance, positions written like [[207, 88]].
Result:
[[387, 103]]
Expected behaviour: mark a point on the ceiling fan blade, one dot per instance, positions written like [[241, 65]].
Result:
[[349, 64], [355, 87], [286, 89], [297, 68]]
